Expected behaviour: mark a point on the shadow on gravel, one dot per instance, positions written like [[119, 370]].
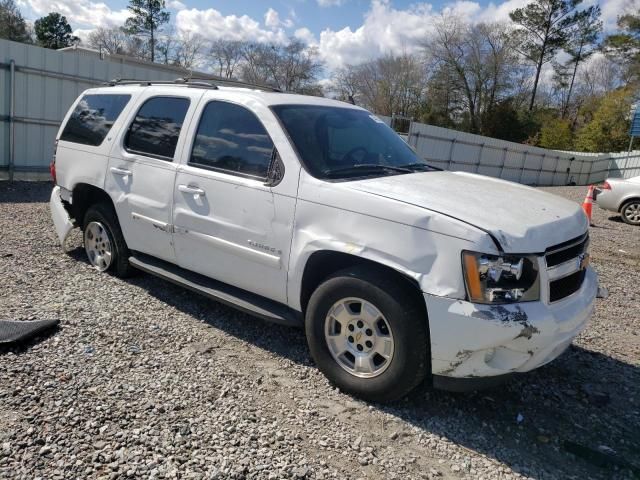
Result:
[[25, 192], [578, 416]]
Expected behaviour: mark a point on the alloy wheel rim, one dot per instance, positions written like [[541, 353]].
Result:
[[632, 212], [359, 337], [98, 246]]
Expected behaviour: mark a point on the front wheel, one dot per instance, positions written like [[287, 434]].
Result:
[[368, 334], [631, 212]]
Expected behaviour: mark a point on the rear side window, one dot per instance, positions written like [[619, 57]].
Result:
[[92, 118], [156, 128], [231, 138]]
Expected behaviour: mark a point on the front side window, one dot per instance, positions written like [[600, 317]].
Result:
[[231, 138], [344, 143], [155, 130], [92, 118]]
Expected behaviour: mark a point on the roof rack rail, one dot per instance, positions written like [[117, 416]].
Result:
[[240, 83], [193, 82], [177, 81]]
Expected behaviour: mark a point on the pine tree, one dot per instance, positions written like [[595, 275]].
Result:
[[53, 31], [148, 17], [545, 26]]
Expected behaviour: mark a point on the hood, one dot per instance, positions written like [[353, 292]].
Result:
[[522, 219]]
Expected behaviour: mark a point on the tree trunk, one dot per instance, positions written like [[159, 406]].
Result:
[[535, 82], [573, 78]]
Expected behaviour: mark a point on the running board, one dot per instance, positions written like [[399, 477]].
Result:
[[235, 297]]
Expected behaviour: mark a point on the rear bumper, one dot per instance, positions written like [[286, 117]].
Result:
[[470, 341], [60, 216], [607, 200]]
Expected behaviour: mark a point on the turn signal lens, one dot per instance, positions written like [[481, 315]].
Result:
[[473, 277], [606, 186]]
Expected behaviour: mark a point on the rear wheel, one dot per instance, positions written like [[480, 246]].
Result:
[[630, 212], [368, 334], [103, 241]]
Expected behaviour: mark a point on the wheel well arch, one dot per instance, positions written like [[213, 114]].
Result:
[[322, 263], [627, 200], [83, 196]]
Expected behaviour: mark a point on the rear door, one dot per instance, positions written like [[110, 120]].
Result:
[[230, 225], [142, 169]]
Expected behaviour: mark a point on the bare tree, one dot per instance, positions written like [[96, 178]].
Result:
[[165, 45], [478, 61], [225, 56], [189, 50], [392, 84], [293, 67], [109, 40]]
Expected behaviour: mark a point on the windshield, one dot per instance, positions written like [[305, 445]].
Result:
[[339, 142]]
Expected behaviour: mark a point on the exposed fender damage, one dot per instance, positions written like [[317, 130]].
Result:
[[420, 244], [60, 217]]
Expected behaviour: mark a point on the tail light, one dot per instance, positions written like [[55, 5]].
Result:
[[606, 186], [52, 165]]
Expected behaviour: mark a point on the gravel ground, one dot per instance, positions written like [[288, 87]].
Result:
[[145, 379]]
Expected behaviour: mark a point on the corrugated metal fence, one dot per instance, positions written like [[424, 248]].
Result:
[[454, 150], [38, 85]]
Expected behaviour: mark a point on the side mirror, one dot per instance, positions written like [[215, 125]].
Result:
[[275, 174]]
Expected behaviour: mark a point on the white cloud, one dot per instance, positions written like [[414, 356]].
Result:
[[212, 24], [272, 20], [81, 12], [305, 35], [385, 29], [176, 5], [329, 3], [612, 9]]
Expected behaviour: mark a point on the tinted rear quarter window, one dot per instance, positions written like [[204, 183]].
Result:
[[231, 138], [156, 127], [92, 118]]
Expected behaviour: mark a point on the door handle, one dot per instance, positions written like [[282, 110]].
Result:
[[192, 190], [121, 171]]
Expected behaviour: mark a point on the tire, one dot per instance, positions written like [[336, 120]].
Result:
[[630, 212], [407, 327], [101, 219]]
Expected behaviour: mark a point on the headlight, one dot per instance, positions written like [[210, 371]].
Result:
[[500, 279]]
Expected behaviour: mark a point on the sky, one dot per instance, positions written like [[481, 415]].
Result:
[[345, 31]]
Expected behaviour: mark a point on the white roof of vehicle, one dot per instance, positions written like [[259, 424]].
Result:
[[267, 98]]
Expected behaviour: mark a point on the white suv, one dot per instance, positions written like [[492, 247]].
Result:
[[308, 211]]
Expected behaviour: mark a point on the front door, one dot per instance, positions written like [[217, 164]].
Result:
[[229, 225]]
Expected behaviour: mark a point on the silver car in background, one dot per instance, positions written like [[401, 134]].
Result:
[[621, 195]]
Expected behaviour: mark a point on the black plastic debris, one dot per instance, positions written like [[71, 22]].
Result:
[[14, 332]]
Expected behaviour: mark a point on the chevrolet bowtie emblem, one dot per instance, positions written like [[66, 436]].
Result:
[[583, 260]]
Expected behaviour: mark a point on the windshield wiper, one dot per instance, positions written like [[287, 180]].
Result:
[[372, 167], [419, 165]]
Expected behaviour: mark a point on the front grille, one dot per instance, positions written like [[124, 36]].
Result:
[[557, 258], [566, 286], [567, 250]]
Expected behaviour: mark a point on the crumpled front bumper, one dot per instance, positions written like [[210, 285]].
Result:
[[471, 340]]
